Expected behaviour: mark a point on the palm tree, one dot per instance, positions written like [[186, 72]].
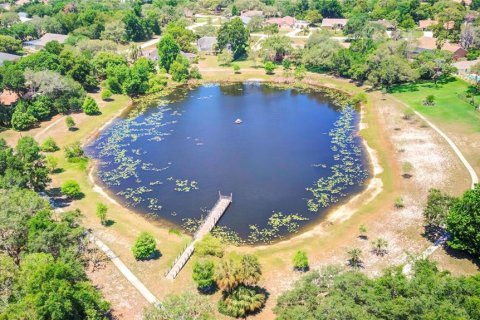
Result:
[[249, 272], [363, 231], [380, 246], [226, 275], [355, 255], [243, 300]]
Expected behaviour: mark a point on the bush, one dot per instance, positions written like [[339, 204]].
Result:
[[236, 68], [106, 94], [22, 120], [49, 145], [300, 72], [179, 69], [300, 261], [102, 213], [359, 98], [70, 123], [71, 189], [90, 107], [195, 73], [51, 163], [269, 67], [144, 247], [429, 100], [73, 151], [408, 114], [203, 274], [399, 203], [209, 245]]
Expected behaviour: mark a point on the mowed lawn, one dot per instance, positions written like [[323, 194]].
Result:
[[449, 108]]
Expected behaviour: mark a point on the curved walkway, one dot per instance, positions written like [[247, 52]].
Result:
[[473, 176]]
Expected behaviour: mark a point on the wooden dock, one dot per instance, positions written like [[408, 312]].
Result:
[[208, 224]]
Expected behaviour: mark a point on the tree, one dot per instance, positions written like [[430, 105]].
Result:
[[51, 163], [234, 36], [145, 246], [106, 94], [179, 69], [186, 306], [71, 189], [114, 31], [363, 231], [276, 47], [102, 213], [54, 47], [70, 123], [269, 67], [225, 57], [203, 274], [249, 270], [12, 78], [437, 208], [463, 222], [209, 245], [380, 246], [49, 145], [22, 121], [226, 275], [242, 301], [168, 50], [391, 70], [300, 261], [435, 65], [183, 36], [355, 258], [73, 151], [236, 68], [313, 16], [10, 44], [90, 107]]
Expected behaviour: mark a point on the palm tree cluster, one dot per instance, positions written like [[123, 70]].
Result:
[[238, 278]]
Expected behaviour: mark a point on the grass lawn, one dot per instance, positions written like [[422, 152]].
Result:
[[449, 108]]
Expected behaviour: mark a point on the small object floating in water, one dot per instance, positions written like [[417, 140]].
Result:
[[238, 121]]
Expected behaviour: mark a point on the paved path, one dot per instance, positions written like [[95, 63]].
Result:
[[207, 226]]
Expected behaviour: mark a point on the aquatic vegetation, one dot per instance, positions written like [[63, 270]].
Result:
[[185, 185], [347, 172], [227, 235], [277, 223]]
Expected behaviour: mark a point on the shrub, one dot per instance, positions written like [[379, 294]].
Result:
[[52, 163], [300, 261], [73, 151], [106, 94], [269, 67], [22, 120], [408, 114], [49, 145], [203, 274], [407, 169], [429, 100], [144, 247], [179, 69], [236, 68], [102, 213], [71, 189], [300, 72], [241, 301], [70, 123], [209, 245], [399, 203], [359, 98], [90, 107], [287, 64], [195, 73]]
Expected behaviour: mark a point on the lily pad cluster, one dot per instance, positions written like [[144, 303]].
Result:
[[348, 169]]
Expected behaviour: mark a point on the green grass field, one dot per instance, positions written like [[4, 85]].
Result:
[[449, 107]]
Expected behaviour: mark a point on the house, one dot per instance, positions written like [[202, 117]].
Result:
[[389, 26], [190, 56], [426, 24], [46, 38], [207, 44], [463, 67], [252, 13], [23, 16], [300, 24], [284, 22], [8, 57], [430, 43], [330, 23], [8, 98]]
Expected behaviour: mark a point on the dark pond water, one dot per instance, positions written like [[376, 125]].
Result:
[[172, 159]]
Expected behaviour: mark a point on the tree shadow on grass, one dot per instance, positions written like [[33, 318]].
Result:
[[109, 223], [462, 255], [432, 233], [209, 291]]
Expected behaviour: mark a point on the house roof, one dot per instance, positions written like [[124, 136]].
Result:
[[387, 24], [8, 57], [331, 22], [188, 55], [452, 47], [252, 13], [7, 97], [287, 20], [426, 23], [429, 43], [206, 43], [46, 38]]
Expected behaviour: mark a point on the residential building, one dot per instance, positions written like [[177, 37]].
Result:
[[207, 44], [46, 38], [330, 23], [284, 22], [8, 57]]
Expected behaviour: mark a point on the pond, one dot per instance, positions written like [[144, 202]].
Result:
[[293, 156]]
